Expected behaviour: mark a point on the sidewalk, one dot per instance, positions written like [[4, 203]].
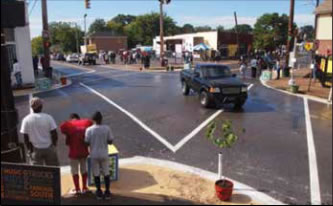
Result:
[[55, 84], [302, 79], [143, 184]]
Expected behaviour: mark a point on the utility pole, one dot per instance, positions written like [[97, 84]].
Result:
[[290, 31], [46, 35], [316, 19], [162, 29], [237, 34], [161, 33], [85, 29]]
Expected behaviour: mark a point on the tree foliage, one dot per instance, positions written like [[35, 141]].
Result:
[[64, 36], [187, 28], [243, 28], [307, 33], [99, 25], [203, 28], [146, 27], [37, 46], [271, 30]]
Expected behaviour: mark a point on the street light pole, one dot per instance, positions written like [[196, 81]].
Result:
[[161, 33]]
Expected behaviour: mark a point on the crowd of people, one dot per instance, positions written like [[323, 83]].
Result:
[[126, 57], [84, 137], [258, 62]]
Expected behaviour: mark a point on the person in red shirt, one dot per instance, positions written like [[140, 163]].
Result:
[[74, 130]]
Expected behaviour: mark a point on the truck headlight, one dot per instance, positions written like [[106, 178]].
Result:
[[214, 90], [244, 89]]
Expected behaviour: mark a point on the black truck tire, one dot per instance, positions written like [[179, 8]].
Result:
[[185, 89], [205, 101], [239, 105]]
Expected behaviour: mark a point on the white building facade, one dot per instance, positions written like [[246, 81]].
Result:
[[18, 43], [188, 41]]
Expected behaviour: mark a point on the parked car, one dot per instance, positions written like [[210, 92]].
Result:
[[88, 58], [60, 57], [72, 58], [215, 84]]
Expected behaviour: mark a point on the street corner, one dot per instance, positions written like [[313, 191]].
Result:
[[44, 85], [153, 181]]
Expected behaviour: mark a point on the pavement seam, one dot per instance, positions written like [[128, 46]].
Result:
[[313, 166]]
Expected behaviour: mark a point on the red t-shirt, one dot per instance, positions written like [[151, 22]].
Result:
[[75, 131]]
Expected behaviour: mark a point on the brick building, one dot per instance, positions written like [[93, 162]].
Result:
[[324, 28], [108, 41]]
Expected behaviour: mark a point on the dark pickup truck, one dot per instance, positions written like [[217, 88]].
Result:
[[215, 84]]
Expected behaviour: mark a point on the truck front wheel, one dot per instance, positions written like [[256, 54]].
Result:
[[205, 100], [185, 89]]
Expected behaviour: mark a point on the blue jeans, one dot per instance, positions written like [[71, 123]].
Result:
[[18, 77]]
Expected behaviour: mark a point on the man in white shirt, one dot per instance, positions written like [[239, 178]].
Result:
[[98, 137], [254, 66], [40, 135], [17, 73]]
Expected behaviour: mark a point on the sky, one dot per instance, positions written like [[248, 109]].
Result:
[[196, 12]]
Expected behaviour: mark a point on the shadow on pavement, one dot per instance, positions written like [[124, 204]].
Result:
[[129, 199]]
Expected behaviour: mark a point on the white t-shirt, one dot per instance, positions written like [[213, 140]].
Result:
[[254, 63], [98, 136], [39, 127], [16, 68]]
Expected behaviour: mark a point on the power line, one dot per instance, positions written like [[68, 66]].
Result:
[[32, 8]]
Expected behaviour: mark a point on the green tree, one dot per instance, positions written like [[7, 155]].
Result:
[[99, 25], [243, 28], [37, 46], [307, 33], [271, 30], [220, 28], [124, 19], [146, 27], [64, 36], [203, 28], [115, 27], [188, 28]]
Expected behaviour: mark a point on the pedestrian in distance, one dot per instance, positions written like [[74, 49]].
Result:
[[243, 68], [278, 68], [35, 61], [40, 135], [17, 71], [98, 137], [254, 65], [74, 129]]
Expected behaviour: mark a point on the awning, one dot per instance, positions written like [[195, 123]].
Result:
[[201, 47]]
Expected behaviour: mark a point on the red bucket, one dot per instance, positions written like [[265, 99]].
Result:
[[224, 189]]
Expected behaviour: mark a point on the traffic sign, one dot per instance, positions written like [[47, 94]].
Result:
[[308, 46]]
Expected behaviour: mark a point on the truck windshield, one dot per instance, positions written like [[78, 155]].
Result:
[[216, 72]]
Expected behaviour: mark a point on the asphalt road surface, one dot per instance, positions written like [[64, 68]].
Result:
[[150, 117]]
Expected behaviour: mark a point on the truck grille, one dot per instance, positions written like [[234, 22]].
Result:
[[231, 90]]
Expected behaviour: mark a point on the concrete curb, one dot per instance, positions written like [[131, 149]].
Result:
[[239, 187], [312, 98]]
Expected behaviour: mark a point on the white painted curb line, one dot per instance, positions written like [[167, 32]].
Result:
[[312, 98], [240, 188]]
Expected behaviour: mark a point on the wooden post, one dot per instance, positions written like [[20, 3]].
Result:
[[46, 37], [161, 33], [290, 30], [237, 34]]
